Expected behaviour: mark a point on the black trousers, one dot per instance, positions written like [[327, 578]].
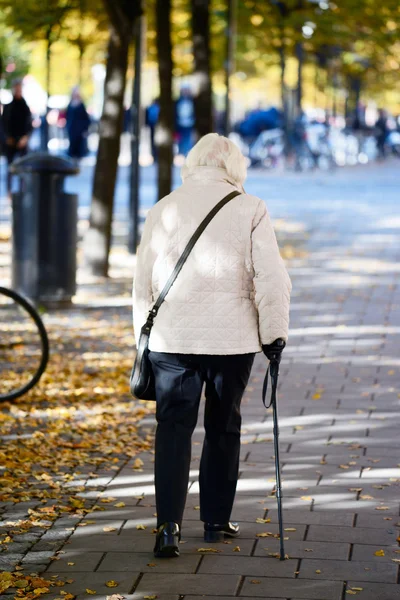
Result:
[[179, 381]]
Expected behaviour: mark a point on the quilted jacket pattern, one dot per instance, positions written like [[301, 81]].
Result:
[[233, 292]]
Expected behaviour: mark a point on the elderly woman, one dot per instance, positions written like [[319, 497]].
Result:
[[230, 301]]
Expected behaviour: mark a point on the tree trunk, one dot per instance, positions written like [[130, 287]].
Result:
[[299, 90], [165, 126], [229, 64], [202, 69], [98, 241]]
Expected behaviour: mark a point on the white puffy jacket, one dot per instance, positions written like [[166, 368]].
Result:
[[233, 292]]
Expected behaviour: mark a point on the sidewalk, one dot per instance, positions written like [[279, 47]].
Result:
[[339, 441]]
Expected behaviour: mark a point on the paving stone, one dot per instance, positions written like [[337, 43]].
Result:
[[160, 583], [248, 566], [8, 560], [381, 521], [367, 552], [343, 570], [304, 549], [126, 561], [81, 559], [207, 597], [351, 535], [292, 588], [37, 557], [313, 518], [374, 591], [95, 582]]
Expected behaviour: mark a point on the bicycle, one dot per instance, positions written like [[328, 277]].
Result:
[[24, 345]]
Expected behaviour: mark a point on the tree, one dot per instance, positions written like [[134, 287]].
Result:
[[202, 68], [122, 15], [42, 21], [165, 126]]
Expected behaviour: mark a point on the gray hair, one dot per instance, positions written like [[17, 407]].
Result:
[[215, 150]]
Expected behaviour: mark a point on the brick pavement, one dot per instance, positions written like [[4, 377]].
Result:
[[340, 452]]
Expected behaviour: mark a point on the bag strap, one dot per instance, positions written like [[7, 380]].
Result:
[[189, 247], [273, 372]]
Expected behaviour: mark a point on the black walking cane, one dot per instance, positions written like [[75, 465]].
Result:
[[273, 372]]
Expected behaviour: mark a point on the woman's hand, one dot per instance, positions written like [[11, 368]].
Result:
[[273, 351]]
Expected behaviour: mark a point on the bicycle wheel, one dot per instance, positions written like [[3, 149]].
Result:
[[24, 345]]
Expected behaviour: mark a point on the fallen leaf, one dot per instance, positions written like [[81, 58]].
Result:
[[112, 583], [357, 589], [120, 505], [138, 464], [255, 581], [351, 592], [308, 550], [88, 591], [196, 507], [236, 549], [151, 564], [259, 520], [70, 564], [381, 508], [318, 571], [208, 550], [107, 529], [379, 553], [140, 526], [305, 498], [290, 529], [115, 597], [316, 396], [150, 597]]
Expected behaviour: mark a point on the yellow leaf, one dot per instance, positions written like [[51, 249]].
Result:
[[237, 549], [263, 520], [40, 591], [107, 529], [107, 500], [112, 583], [138, 464], [357, 589], [351, 592], [196, 507], [316, 396], [255, 581], [151, 564], [150, 597], [264, 534], [21, 583], [70, 564], [88, 591], [381, 508], [379, 553], [305, 498], [120, 505], [140, 526], [208, 550], [290, 529], [318, 571]]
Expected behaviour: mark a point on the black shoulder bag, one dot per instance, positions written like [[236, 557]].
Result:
[[142, 383]]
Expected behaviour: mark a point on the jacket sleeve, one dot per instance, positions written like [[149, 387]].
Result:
[[272, 285], [142, 297]]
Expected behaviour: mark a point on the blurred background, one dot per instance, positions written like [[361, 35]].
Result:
[[124, 88]]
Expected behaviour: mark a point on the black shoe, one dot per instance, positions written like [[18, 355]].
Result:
[[167, 540], [217, 533]]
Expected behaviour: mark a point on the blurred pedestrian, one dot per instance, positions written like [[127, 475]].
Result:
[[17, 126], [185, 120], [152, 115], [382, 132], [78, 123], [230, 301]]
